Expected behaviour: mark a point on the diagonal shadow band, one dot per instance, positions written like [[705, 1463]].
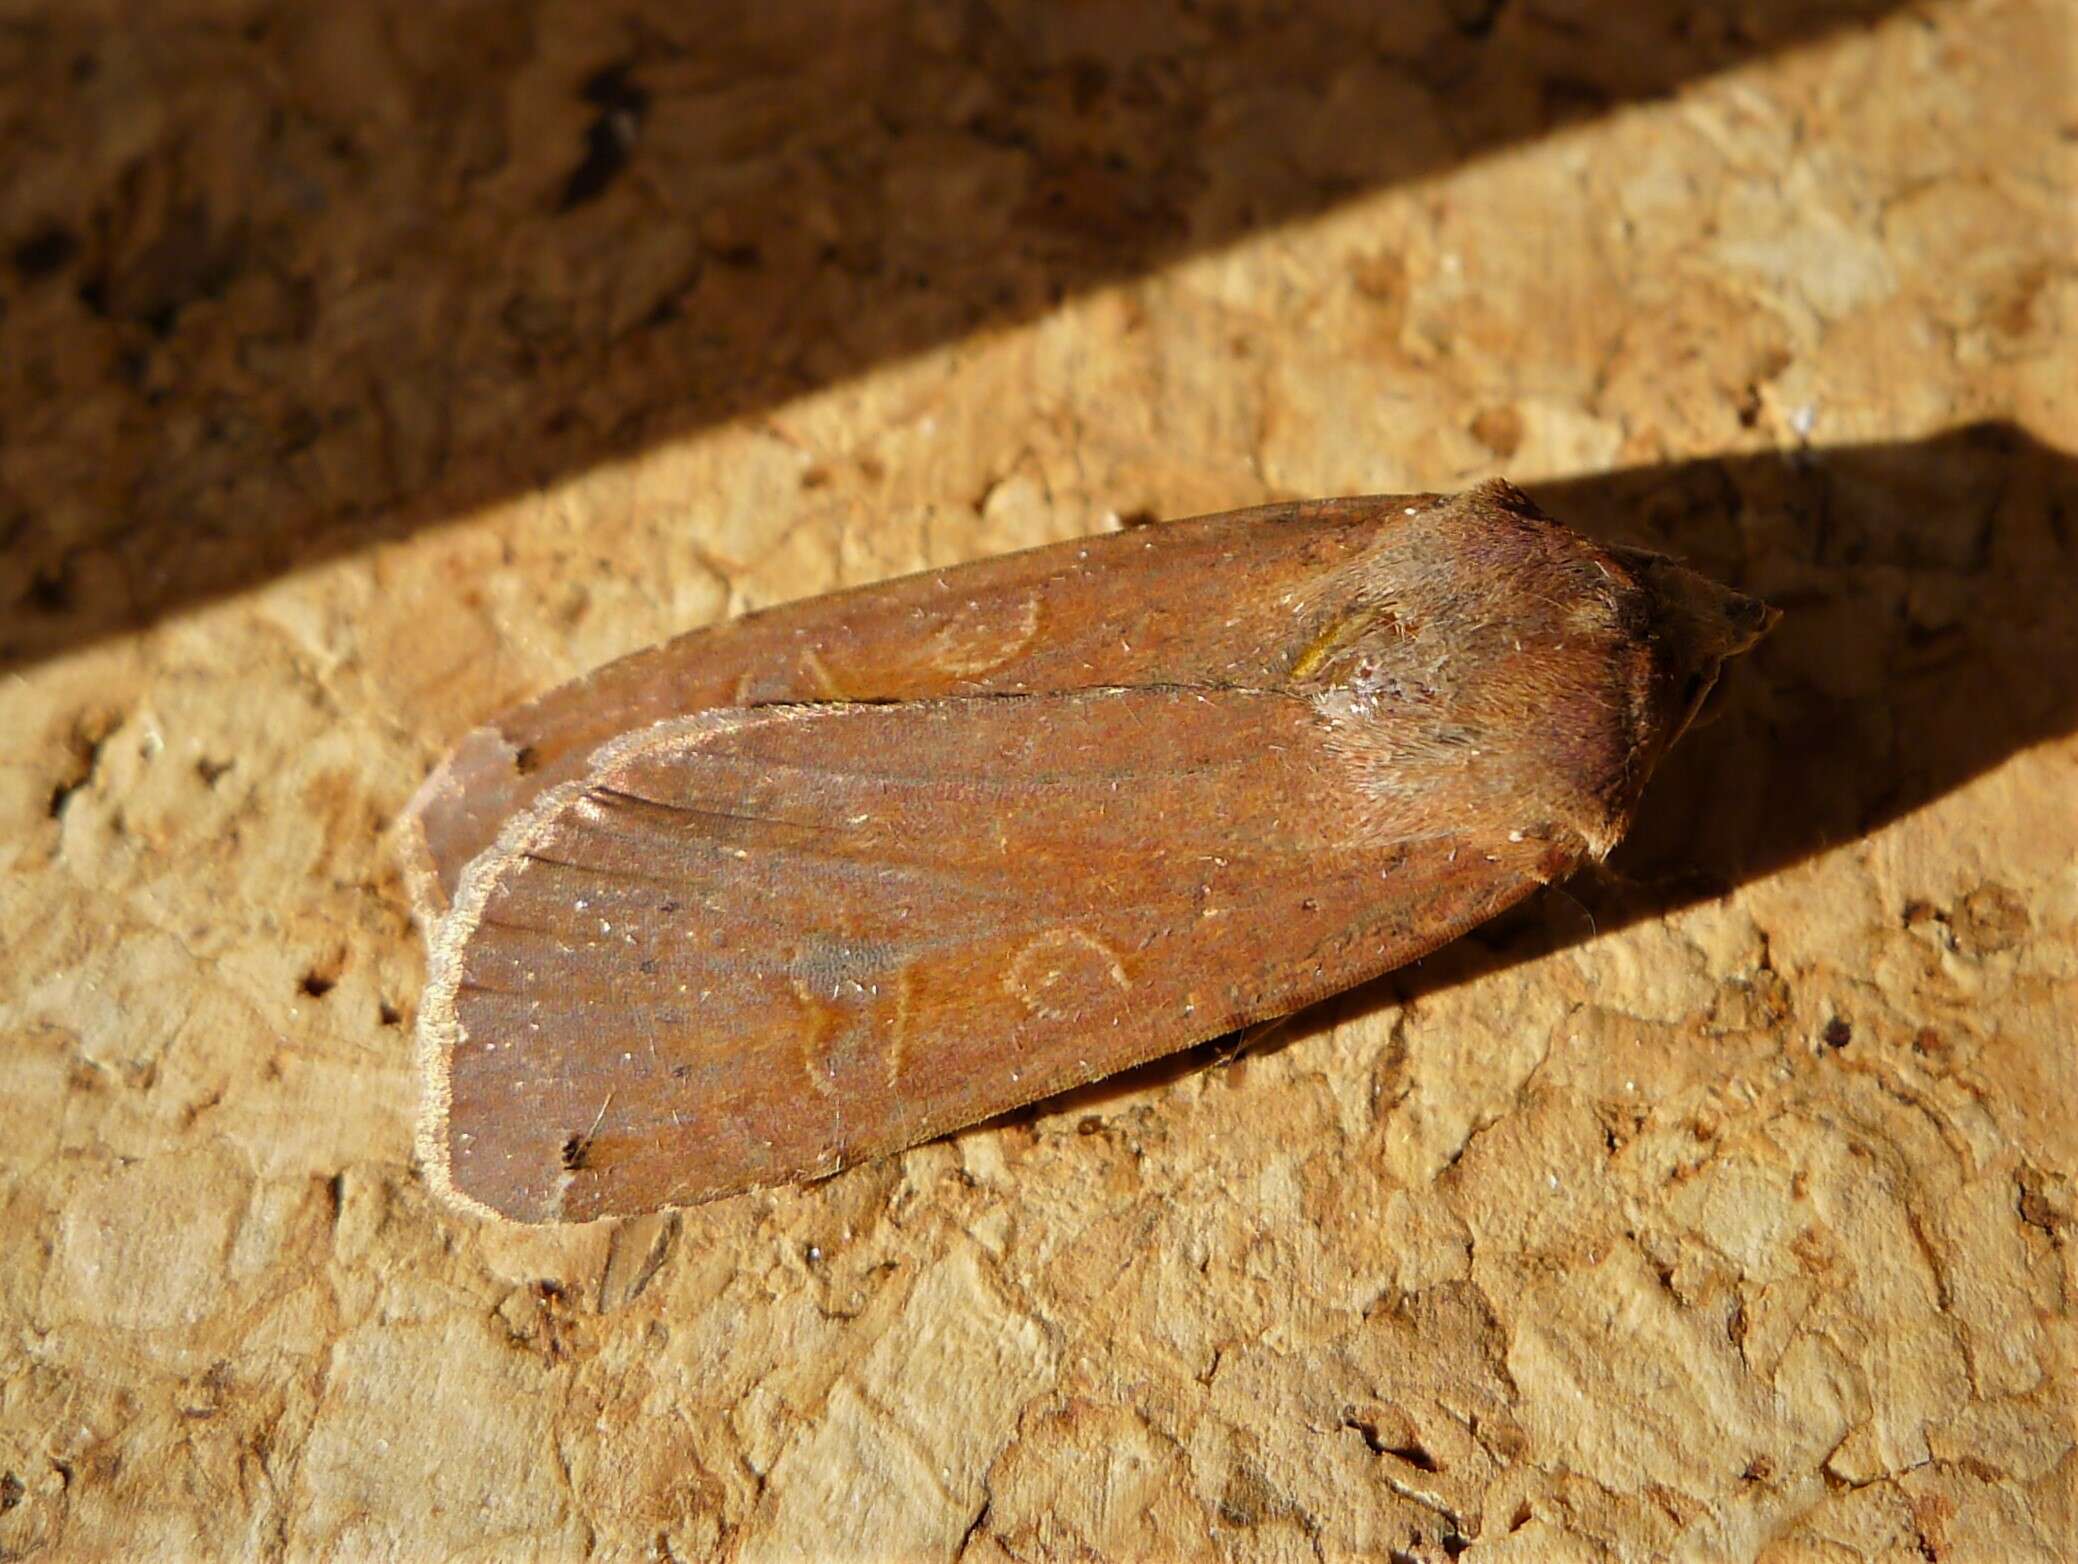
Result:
[[276, 289], [1927, 637]]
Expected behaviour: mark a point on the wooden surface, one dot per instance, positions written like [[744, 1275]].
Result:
[[364, 368]]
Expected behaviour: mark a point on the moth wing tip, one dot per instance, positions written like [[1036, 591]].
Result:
[[439, 1027], [424, 890]]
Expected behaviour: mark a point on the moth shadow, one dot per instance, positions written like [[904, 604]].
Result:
[[1928, 635], [349, 272]]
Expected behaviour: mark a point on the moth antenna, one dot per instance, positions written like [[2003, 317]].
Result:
[[1593, 930]]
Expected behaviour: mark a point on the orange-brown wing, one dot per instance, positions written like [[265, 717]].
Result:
[[755, 946], [1047, 619]]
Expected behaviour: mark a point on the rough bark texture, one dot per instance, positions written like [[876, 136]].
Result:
[[365, 368]]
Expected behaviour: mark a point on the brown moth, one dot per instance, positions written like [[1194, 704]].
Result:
[[830, 880]]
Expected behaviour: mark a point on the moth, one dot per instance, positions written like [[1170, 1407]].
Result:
[[818, 884]]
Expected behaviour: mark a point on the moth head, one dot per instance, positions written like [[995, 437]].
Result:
[[1505, 670], [1695, 625]]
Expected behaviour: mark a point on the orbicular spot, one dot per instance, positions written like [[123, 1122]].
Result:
[[1065, 972]]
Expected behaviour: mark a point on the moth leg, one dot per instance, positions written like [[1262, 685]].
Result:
[[1239, 1044]]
